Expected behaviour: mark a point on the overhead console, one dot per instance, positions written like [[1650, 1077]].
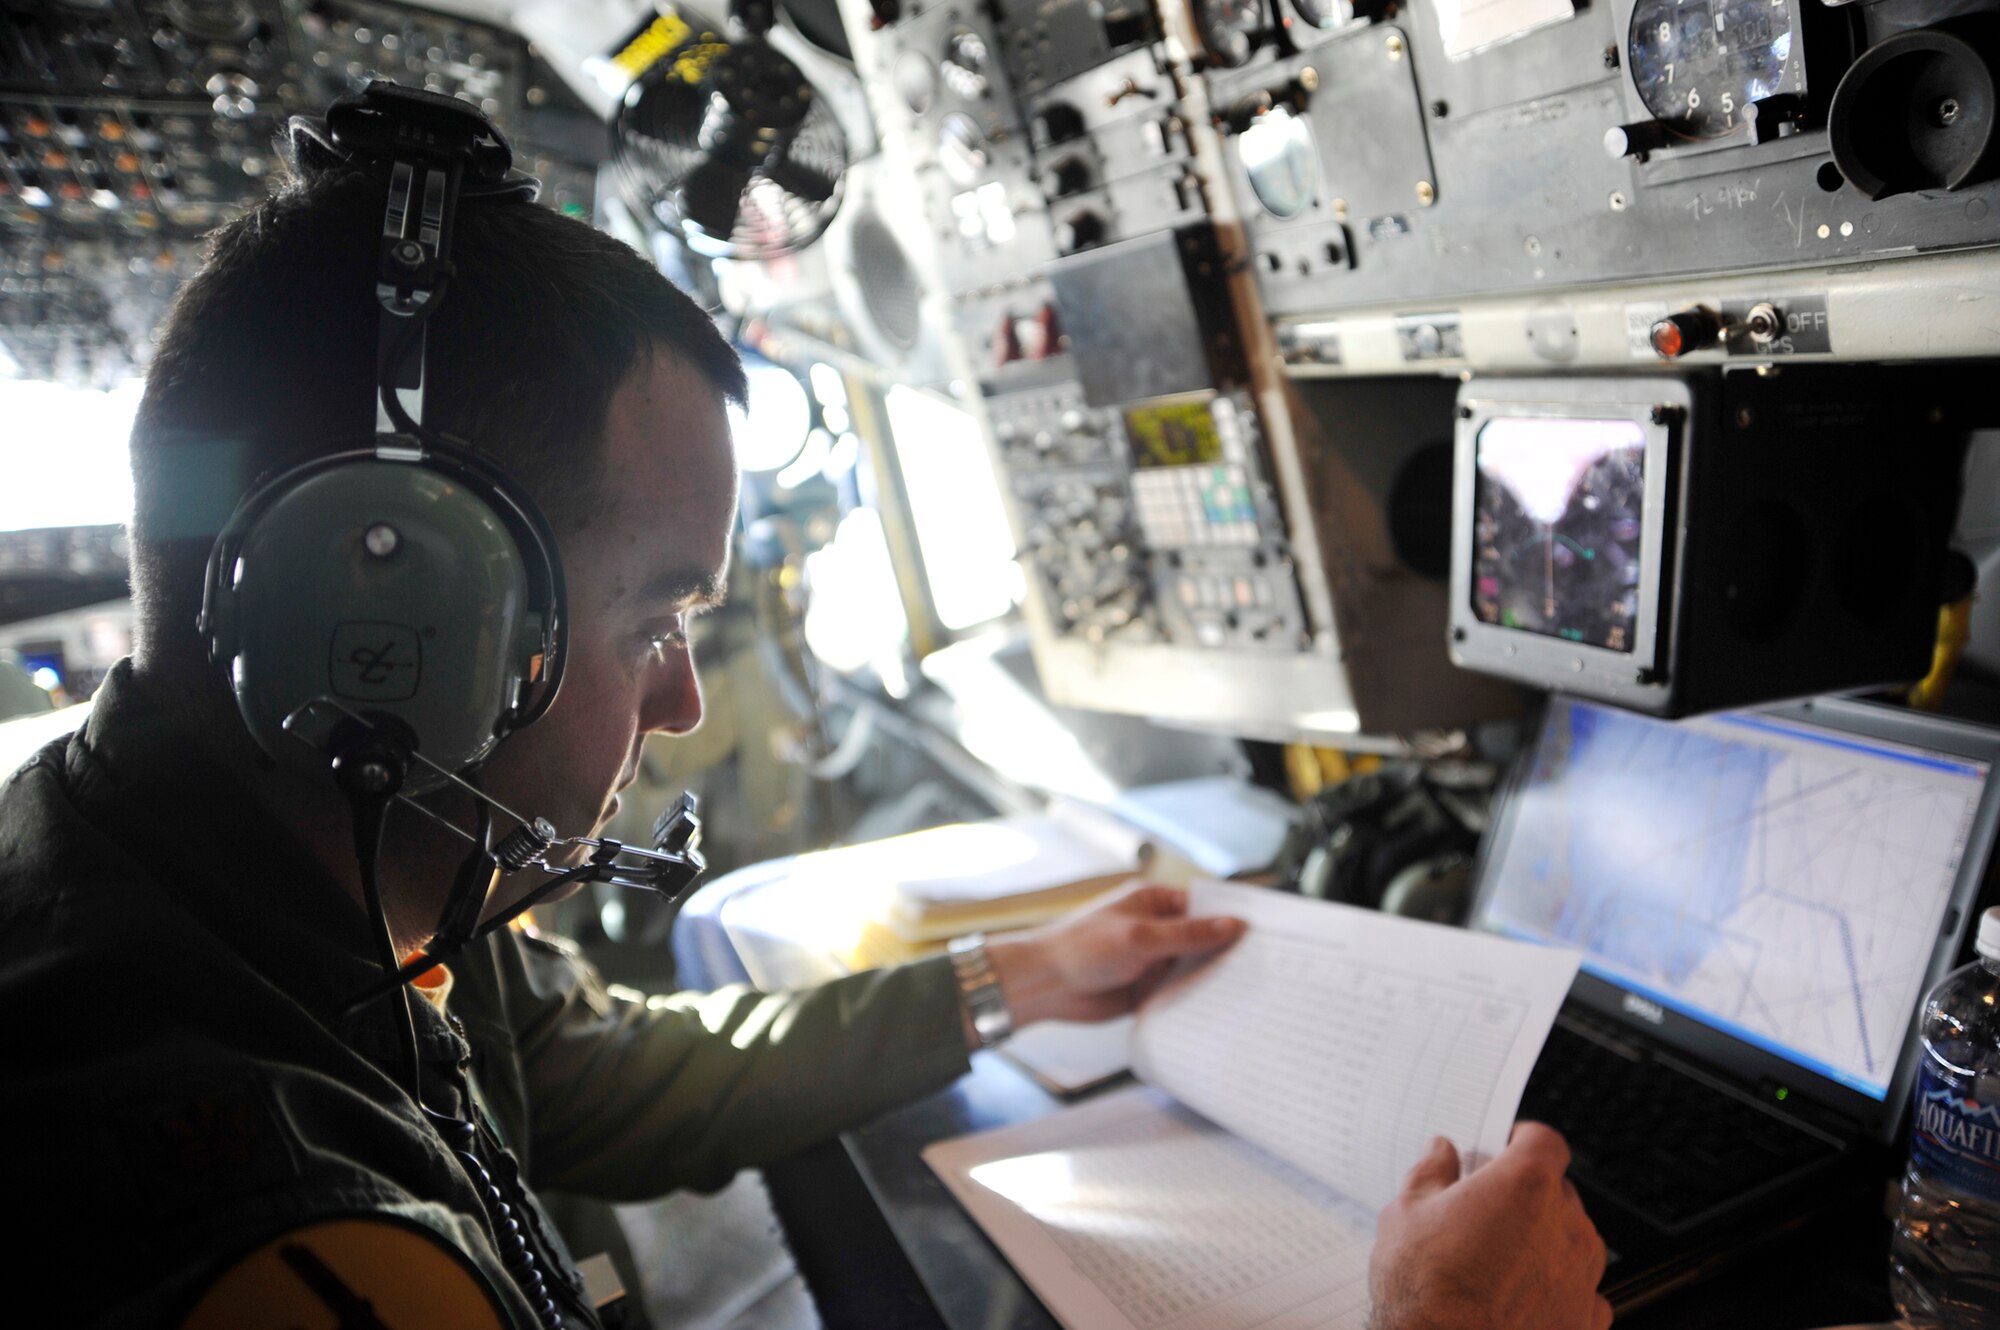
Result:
[[128, 130]]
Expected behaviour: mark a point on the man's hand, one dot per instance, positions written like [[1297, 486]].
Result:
[[1098, 965], [1508, 1248]]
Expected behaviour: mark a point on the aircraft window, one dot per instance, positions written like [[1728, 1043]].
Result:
[[955, 507], [64, 455]]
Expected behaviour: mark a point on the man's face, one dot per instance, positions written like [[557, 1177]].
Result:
[[655, 554]]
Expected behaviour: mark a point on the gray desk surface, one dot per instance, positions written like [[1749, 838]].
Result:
[[1830, 1272], [970, 1282]]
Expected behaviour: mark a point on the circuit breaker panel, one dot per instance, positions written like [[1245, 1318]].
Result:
[[1097, 295]]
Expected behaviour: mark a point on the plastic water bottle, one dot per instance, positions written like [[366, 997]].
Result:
[[1944, 1257]]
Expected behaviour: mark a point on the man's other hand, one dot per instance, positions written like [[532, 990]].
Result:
[[1099, 964], [1508, 1248]]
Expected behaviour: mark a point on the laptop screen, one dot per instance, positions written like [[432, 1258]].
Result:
[[1781, 882]]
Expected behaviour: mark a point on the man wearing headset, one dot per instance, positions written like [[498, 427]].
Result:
[[181, 918]]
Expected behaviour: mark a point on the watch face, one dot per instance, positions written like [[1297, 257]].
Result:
[[1700, 64], [1231, 29], [1277, 153]]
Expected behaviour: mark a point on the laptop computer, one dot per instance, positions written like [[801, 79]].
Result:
[[1762, 900]]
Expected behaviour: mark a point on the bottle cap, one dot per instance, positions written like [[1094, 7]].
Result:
[[1988, 942]]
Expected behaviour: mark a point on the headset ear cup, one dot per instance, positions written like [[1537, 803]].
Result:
[[300, 605], [386, 590]]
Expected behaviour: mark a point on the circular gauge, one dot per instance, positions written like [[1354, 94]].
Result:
[[962, 149], [916, 81], [770, 428], [1277, 154], [1231, 29], [967, 58], [1326, 15], [1700, 64]]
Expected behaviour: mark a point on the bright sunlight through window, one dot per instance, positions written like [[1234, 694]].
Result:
[[955, 506], [63, 458]]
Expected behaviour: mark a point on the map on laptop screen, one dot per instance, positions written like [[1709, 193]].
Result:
[[1777, 881]]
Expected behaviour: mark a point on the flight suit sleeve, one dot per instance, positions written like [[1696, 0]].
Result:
[[626, 1096]]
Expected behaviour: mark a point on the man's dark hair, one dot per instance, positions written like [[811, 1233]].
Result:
[[268, 358]]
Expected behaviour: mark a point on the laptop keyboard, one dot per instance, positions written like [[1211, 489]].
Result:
[[1663, 1143]]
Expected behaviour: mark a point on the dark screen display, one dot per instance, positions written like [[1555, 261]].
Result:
[[1558, 525]]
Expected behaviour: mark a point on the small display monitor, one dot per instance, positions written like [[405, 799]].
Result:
[[1559, 521], [1686, 543], [1563, 508], [1176, 432]]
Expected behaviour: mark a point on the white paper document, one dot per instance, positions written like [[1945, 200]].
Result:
[[1068, 1057], [1468, 26], [1293, 1082], [1131, 1211]]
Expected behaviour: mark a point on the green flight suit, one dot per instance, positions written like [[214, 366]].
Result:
[[175, 1090]]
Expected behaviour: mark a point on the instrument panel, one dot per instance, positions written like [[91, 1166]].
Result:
[[1702, 69], [1383, 161], [1059, 181]]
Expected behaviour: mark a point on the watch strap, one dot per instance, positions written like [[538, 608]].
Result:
[[979, 989]]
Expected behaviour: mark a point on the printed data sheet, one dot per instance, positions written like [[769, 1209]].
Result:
[[1293, 1081]]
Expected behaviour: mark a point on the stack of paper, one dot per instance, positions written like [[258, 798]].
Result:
[[1013, 872]]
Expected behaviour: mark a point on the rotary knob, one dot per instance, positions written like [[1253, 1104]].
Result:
[[1635, 140]]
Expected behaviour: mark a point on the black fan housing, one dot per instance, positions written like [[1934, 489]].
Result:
[[745, 162]]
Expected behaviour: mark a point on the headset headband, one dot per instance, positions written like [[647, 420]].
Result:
[[431, 151]]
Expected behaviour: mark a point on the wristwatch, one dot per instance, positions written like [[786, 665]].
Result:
[[979, 989]]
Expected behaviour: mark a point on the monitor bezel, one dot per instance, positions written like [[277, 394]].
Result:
[[1749, 1066], [1663, 410]]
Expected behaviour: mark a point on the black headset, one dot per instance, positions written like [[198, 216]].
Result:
[[391, 611], [404, 590]]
